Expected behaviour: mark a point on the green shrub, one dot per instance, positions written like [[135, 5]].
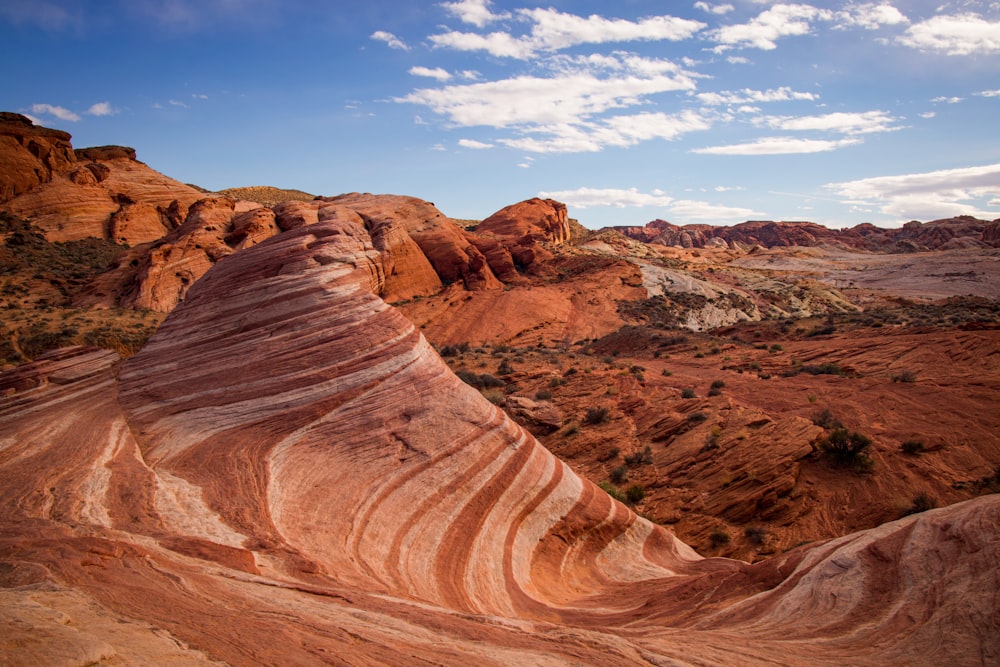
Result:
[[847, 448], [688, 393], [644, 457], [912, 447], [543, 395], [613, 491], [905, 376], [921, 503]]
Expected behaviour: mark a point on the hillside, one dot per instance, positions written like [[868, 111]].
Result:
[[385, 436]]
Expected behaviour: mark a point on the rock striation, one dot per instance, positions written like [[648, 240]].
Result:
[[288, 473]]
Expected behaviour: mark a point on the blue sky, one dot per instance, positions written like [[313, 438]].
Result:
[[693, 112]]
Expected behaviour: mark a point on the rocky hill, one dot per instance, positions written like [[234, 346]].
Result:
[[963, 232], [383, 436], [288, 457]]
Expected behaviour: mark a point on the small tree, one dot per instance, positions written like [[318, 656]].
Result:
[[847, 448]]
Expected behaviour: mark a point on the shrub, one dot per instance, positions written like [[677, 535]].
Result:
[[827, 368], [905, 376], [495, 396], [619, 475], [847, 448], [825, 419], [696, 417], [921, 503], [505, 368], [755, 535], [635, 493], [543, 395], [688, 393], [596, 416], [912, 447], [644, 457], [718, 538], [613, 491]]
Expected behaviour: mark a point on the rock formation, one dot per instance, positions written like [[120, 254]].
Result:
[[287, 473], [914, 236]]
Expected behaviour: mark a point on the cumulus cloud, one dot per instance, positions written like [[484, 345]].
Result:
[[928, 195], [102, 109], [870, 15], [778, 146], [435, 73], [988, 93], [62, 113], [569, 97], [763, 31], [472, 143], [955, 35], [552, 30], [390, 39], [848, 123], [747, 95], [714, 9], [476, 12], [946, 100], [609, 197]]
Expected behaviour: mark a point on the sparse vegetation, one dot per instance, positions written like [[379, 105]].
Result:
[[644, 457], [596, 415], [906, 376], [756, 535], [921, 503], [618, 475], [634, 494], [913, 447], [848, 449], [688, 393], [719, 537]]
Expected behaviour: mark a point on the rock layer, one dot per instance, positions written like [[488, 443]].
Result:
[[288, 473]]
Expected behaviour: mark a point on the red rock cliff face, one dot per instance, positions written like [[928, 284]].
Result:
[[545, 218], [288, 472], [30, 155]]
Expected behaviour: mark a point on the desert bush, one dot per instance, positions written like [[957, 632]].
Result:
[[716, 388], [825, 419], [905, 376], [613, 491], [912, 447], [921, 503], [755, 535], [718, 538], [495, 396], [483, 381], [645, 457], [543, 395], [635, 493], [826, 368], [688, 393], [596, 415], [619, 475], [696, 417], [847, 448], [504, 368]]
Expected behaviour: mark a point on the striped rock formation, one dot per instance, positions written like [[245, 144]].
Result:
[[288, 474]]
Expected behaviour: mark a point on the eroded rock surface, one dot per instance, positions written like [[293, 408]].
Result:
[[287, 472]]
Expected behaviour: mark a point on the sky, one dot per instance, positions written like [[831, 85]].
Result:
[[693, 112]]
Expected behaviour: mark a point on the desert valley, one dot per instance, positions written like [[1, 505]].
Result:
[[259, 426]]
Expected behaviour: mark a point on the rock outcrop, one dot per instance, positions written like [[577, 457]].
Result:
[[949, 234], [30, 155], [288, 457]]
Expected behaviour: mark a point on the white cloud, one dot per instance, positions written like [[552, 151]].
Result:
[[847, 123], [102, 109], [763, 31], [177, 103], [199, 96], [988, 93], [610, 197], [929, 195], [777, 146], [726, 188], [782, 94], [928, 114], [870, 15], [472, 143], [62, 113], [714, 9], [553, 30], [476, 12], [567, 98], [435, 73], [957, 35], [704, 211], [390, 39], [947, 100], [737, 60]]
